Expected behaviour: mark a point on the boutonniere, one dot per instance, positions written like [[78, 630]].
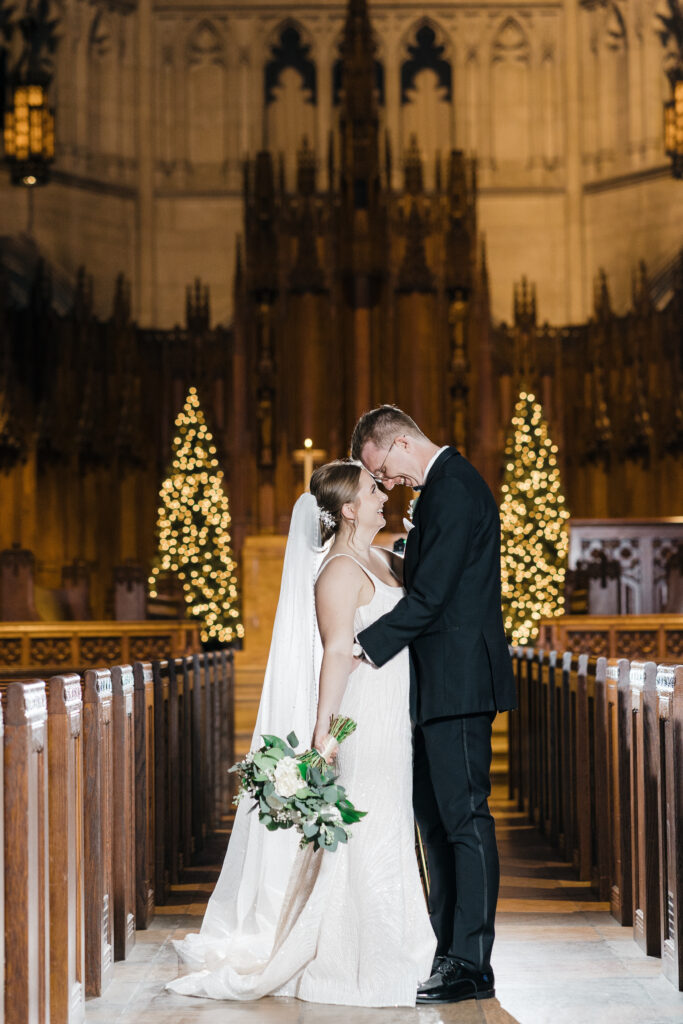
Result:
[[410, 512]]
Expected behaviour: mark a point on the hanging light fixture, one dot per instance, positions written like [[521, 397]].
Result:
[[673, 128], [29, 121], [29, 134], [670, 32]]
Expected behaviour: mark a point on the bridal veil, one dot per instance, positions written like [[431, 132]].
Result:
[[244, 909]]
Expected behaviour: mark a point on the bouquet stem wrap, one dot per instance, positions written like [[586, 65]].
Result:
[[340, 728]]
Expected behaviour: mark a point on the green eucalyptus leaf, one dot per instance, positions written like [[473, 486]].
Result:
[[292, 739], [273, 741]]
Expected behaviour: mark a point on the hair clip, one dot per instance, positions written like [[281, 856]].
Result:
[[326, 518]]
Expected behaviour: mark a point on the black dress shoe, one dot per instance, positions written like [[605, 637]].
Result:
[[454, 981]]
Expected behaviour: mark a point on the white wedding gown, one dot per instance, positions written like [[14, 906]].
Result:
[[353, 926]]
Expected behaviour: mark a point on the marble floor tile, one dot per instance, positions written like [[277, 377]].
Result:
[[559, 958]]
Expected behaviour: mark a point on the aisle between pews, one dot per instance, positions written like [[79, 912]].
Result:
[[559, 958]]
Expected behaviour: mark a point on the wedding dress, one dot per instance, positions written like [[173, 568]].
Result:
[[349, 927]]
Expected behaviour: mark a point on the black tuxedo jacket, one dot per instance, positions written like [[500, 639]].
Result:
[[451, 615]]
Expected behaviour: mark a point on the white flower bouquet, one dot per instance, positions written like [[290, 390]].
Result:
[[299, 791]]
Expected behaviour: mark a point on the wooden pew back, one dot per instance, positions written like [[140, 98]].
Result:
[[669, 756], [27, 928], [644, 812], [66, 839], [618, 733], [144, 792], [123, 809], [163, 767], [98, 756]]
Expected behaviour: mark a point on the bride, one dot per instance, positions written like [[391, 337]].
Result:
[[347, 927]]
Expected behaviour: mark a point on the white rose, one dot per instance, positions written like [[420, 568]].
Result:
[[287, 777]]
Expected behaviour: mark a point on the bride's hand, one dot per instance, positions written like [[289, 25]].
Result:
[[325, 745]]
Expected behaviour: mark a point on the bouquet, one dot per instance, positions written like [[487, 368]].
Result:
[[299, 791]]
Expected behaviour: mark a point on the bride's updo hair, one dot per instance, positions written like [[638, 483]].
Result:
[[332, 485]]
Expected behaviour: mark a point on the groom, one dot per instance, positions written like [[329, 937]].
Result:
[[461, 675]]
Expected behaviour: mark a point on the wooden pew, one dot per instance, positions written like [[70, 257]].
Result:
[[163, 768], [123, 810], [144, 793], [552, 785], [175, 780], [197, 770], [219, 709], [617, 711], [27, 928], [539, 740], [644, 810], [601, 820], [526, 712], [514, 737], [669, 760], [98, 758], [66, 839], [583, 792], [209, 758], [185, 670], [227, 745], [567, 757]]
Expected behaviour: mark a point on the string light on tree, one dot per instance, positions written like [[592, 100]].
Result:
[[534, 525], [193, 529]]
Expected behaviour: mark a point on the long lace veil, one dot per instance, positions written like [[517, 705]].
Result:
[[245, 906]]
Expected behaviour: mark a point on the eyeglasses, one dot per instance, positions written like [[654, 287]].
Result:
[[382, 471]]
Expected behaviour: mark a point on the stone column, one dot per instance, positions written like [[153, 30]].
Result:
[[574, 229], [146, 312]]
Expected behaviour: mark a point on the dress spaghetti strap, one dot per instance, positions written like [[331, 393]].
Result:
[[368, 572], [343, 554]]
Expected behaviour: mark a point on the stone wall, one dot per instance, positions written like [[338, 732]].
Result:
[[158, 106]]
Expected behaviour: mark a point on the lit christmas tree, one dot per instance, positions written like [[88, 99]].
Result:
[[533, 519], [193, 529]]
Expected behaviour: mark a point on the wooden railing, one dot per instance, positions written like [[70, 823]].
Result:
[[596, 762], [112, 781], [49, 647], [656, 637]]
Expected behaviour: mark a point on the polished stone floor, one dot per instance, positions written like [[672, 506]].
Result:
[[559, 958]]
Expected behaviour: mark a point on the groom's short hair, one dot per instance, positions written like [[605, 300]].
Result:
[[381, 426]]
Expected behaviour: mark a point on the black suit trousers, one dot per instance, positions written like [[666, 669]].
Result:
[[451, 786]]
